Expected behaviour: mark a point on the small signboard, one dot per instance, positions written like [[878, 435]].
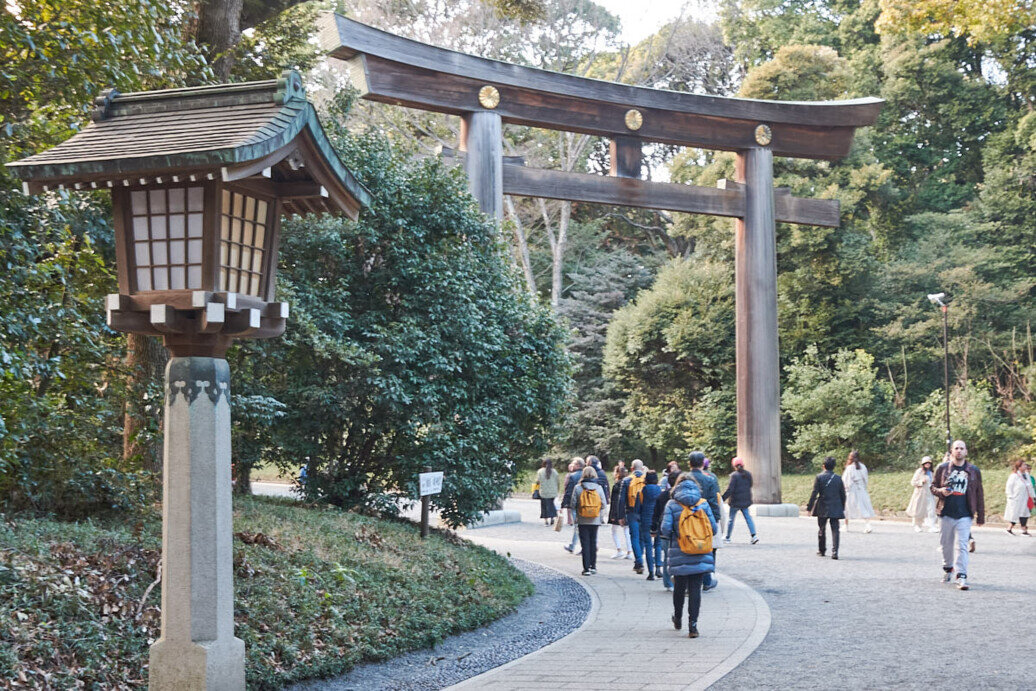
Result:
[[431, 483]]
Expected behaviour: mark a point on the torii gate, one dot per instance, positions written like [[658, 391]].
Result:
[[487, 93]]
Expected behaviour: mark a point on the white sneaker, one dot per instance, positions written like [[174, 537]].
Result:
[[868, 528], [933, 530], [726, 541], [947, 577], [917, 528], [629, 555], [962, 582], [618, 555]]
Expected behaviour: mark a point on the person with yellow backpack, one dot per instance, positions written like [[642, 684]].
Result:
[[690, 527], [631, 496], [588, 502]]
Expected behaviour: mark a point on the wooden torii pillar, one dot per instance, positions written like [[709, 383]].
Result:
[[487, 94]]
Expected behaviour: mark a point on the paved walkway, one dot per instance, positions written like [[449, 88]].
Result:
[[880, 617], [627, 641]]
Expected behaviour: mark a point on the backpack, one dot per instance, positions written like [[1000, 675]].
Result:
[[634, 491], [694, 531], [589, 502]]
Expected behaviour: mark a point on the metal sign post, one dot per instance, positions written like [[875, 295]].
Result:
[[431, 483]]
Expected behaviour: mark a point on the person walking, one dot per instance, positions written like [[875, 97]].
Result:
[[827, 503], [688, 569], [661, 543], [921, 508], [649, 498], [739, 496], [957, 486], [858, 501], [631, 495], [1019, 497], [602, 477], [549, 481], [588, 500], [571, 481], [617, 518], [709, 486]]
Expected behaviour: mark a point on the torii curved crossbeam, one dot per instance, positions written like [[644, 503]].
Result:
[[397, 70]]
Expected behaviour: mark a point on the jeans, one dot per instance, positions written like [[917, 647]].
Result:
[[588, 541], [662, 557], [575, 529], [648, 549], [638, 547], [748, 520], [955, 534], [692, 586]]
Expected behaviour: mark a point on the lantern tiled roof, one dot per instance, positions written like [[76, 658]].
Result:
[[265, 132]]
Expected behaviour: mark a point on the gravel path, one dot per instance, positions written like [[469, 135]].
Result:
[[880, 617], [558, 607]]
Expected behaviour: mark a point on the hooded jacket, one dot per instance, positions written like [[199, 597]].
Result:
[[682, 564]]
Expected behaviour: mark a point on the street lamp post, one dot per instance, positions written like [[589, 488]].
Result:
[[199, 179], [937, 299]]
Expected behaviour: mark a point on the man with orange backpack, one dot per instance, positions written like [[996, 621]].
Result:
[[631, 496], [691, 529], [588, 501]]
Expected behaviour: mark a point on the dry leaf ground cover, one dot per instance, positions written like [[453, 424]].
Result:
[[317, 591]]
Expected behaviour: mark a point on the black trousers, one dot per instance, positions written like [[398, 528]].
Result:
[[588, 542], [822, 533], [691, 585]]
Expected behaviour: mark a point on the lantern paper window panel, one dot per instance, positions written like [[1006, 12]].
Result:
[[167, 238], [243, 235]]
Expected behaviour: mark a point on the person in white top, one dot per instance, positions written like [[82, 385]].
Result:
[[857, 500], [1019, 494], [922, 503]]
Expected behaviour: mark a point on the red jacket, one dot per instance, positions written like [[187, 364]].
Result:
[[975, 497]]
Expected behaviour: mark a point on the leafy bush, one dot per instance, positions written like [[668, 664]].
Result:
[[671, 350], [412, 343], [975, 417], [837, 405]]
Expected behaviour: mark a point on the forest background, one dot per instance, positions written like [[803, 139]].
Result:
[[421, 336]]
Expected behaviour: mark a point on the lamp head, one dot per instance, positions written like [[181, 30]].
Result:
[[936, 299]]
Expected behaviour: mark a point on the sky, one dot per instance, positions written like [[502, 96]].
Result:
[[642, 18]]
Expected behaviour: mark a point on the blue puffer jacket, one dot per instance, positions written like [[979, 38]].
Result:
[[681, 564], [649, 498]]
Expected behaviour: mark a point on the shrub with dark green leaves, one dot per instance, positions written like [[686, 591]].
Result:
[[412, 343]]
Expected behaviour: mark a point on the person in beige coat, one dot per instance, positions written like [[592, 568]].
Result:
[[922, 504], [1019, 492]]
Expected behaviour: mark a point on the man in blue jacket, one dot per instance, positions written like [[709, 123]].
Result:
[[709, 487]]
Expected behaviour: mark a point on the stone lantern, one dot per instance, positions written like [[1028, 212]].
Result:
[[200, 178]]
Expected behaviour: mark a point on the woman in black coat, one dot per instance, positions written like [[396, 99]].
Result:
[[617, 514], [739, 496]]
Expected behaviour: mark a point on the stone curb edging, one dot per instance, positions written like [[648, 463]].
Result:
[[595, 606], [763, 620]]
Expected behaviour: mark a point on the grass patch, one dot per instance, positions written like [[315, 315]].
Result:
[[317, 591], [891, 490], [271, 473]]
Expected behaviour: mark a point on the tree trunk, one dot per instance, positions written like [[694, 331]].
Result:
[[522, 246], [145, 361], [558, 255], [219, 30]]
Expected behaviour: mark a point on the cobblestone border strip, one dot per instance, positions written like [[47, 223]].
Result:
[[763, 619], [558, 609]]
